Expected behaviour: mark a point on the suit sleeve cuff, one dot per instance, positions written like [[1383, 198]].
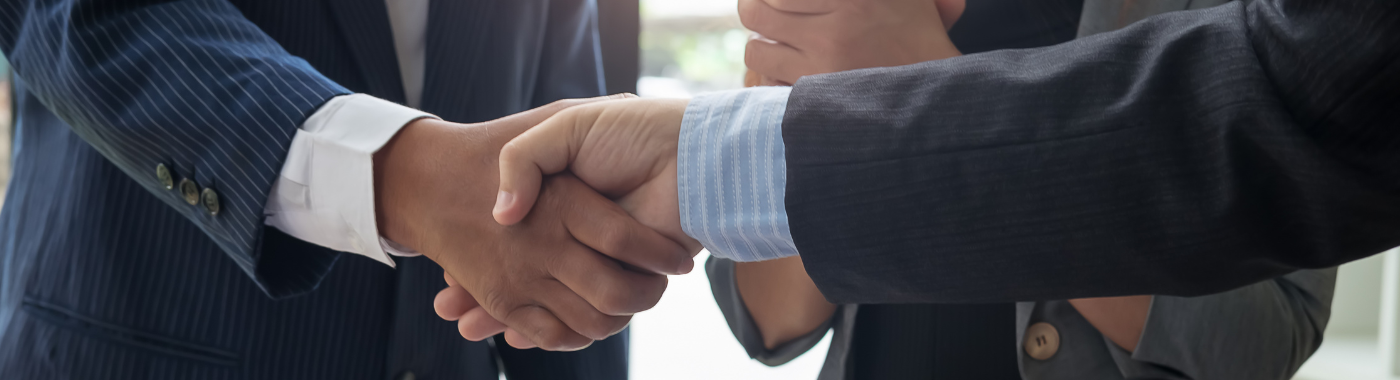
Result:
[[731, 174], [325, 193]]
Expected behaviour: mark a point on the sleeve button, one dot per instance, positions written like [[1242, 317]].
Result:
[[210, 200], [190, 191], [1042, 341], [163, 174]]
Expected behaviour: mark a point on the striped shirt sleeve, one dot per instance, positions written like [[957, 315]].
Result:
[[732, 175]]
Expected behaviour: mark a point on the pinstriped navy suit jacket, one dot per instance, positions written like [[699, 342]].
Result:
[[106, 274]]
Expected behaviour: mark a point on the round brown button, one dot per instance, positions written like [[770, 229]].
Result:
[[1042, 341], [190, 191], [163, 174], [210, 200]]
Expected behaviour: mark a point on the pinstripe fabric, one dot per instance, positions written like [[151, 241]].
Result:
[[1190, 153], [108, 275], [203, 116], [731, 174]]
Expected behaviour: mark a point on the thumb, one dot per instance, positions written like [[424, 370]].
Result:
[[547, 148], [544, 149]]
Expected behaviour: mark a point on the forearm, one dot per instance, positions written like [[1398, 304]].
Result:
[[782, 300], [1120, 319], [1264, 330]]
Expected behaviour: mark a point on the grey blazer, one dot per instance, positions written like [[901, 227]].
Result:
[[1262, 331]]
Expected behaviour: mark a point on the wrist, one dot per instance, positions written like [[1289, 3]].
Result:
[[412, 172], [395, 170]]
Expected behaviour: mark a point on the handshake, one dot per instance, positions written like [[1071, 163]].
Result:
[[586, 220]]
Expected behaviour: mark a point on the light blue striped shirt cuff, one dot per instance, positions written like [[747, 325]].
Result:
[[732, 174]]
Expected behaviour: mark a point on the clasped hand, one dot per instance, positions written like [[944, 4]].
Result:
[[625, 149], [572, 272]]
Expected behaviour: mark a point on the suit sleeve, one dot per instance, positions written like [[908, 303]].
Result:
[[724, 286], [1188, 154], [1265, 330], [191, 85]]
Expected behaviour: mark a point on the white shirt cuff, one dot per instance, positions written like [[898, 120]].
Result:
[[325, 194]]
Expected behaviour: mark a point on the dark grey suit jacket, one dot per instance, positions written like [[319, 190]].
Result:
[[1187, 154]]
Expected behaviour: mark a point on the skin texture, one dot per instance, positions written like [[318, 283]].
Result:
[[1120, 319], [804, 37], [555, 278], [630, 144], [627, 148], [919, 42], [782, 299]]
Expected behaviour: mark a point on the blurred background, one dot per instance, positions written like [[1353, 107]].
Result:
[[687, 47], [678, 48]]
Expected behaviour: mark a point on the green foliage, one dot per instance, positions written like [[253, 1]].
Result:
[[706, 53]]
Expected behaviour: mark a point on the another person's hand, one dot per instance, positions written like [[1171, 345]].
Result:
[[806, 37], [625, 149], [545, 277]]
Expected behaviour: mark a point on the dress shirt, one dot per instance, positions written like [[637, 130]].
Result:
[[325, 193], [732, 174]]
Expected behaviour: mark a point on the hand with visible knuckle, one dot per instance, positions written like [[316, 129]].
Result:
[[506, 277], [822, 37]]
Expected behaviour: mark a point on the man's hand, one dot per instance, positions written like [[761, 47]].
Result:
[[806, 37], [544, 277], [625, 149]]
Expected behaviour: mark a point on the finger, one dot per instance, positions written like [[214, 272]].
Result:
[[950, 11], [477, 325], [766, 81], [791, 27], [752, 78], [580, 316], [777, 61], [534, 116], [453, 301], [545, 149], [544, 330], [448, 278], [607, 286], [804, 6], [518, 340], [604, 226]]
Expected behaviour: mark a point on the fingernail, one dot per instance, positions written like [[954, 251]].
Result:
[[503, 201], [686, 266]]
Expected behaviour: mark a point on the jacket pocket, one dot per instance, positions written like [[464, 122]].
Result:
[[93, 328]]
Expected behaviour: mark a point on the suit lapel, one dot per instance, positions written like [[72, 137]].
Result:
[[365, 24], [456, 37]]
